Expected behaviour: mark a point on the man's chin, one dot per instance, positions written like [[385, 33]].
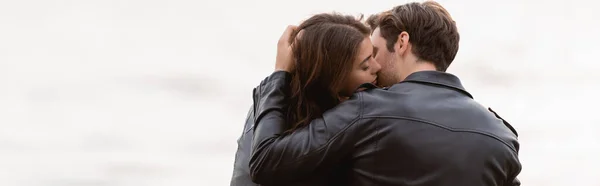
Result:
[[380, 83]]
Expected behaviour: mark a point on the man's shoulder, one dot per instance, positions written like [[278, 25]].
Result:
[[354, 107], [378, 102], [365, 94], [373, 101]]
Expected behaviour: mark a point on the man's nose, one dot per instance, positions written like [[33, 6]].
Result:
[[376, 67]]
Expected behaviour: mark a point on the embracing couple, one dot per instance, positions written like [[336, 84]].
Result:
[[353, 103]]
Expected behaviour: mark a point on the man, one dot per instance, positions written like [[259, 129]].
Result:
[[424, 129]]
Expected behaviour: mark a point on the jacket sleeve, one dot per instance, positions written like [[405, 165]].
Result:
[[278, 159], [515, 182], [515, 170], [516, 164]]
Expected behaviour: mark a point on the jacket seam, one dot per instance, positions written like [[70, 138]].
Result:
[[362, 106], [254, 105], [249, 129], [375, 163], [448, 128], [249, 119]]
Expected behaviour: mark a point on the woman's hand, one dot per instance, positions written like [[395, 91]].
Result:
[[285, 57]]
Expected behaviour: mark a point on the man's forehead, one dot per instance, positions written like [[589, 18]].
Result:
[[375, 32], [375, 35]]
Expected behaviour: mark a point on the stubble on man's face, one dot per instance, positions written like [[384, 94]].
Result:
[[387, 75]]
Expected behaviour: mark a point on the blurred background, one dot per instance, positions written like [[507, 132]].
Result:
[[155, 92]]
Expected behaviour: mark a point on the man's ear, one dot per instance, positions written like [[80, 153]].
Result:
[[401, 45]]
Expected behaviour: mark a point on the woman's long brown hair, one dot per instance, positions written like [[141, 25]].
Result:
[[324, 56]]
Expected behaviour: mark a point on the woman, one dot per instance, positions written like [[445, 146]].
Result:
[[333, 58]]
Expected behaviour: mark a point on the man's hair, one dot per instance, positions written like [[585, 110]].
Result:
[[324, 54], [433, 33]]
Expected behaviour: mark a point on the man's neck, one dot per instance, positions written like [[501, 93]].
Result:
[[420, 66]]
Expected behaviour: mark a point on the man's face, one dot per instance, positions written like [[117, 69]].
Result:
[[388, 75]]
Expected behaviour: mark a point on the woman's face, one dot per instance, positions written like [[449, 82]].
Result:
[[364, 69]]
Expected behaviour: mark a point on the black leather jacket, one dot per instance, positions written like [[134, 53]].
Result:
[[426, 130], [241, 169]]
